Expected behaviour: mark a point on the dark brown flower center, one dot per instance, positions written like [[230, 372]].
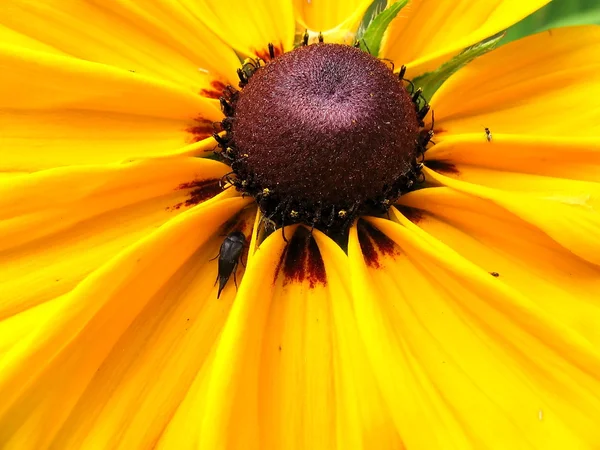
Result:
[[321, 134]]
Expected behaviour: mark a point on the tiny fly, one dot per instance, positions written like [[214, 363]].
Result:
[[229, 257], [488, 135]]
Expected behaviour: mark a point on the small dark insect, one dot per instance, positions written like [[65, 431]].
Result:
[[229, 257], [495, 274], [488, 135]]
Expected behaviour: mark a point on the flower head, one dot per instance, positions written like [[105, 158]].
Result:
[[443, 294]]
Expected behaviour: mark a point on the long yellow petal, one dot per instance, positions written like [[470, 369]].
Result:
[[246, 26], [519, 255], [463, 360], [156, 38], [568, 211], [58, 226], [570, 157], [546, 84], [428, 33], [290, 370], [58, 110], [106, 365]]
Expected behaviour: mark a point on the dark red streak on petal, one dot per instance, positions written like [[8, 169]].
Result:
[[302, 261], [215, 91], [374, 243], [202, 129], [413, 214], [201, 190], [442, 166]]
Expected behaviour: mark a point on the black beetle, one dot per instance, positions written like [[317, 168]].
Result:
[[229, 257]]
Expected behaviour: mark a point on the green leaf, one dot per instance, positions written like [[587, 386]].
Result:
[[431, 81], [377, 7], [370, 41], [558, 13]]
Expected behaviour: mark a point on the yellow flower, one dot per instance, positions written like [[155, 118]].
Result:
[[468, 318]]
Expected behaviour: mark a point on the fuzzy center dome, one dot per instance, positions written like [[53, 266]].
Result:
[[326, 125]]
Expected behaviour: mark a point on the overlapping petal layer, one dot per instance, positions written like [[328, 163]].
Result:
[[58, 110], [544, 85], [568, 211], [532, 104], [464, 360], [156, 38], [248, 28], [520, 255], [551, 183], [107, 364], [58, 226], [427, 33], [290, 370]]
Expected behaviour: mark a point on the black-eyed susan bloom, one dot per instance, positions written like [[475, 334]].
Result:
[[388, 277]]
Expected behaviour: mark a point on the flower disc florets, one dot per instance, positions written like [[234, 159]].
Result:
[[321, 134]]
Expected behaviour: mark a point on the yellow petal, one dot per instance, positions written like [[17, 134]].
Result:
[[323, 15], [558, 157], [246, 26], [568, 211], [545, 84], [290, 369], [58, 226], [8, 35], [57, 110], [519, 255], [464, 361], [428, 33], [107, 365], [160, 39]]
